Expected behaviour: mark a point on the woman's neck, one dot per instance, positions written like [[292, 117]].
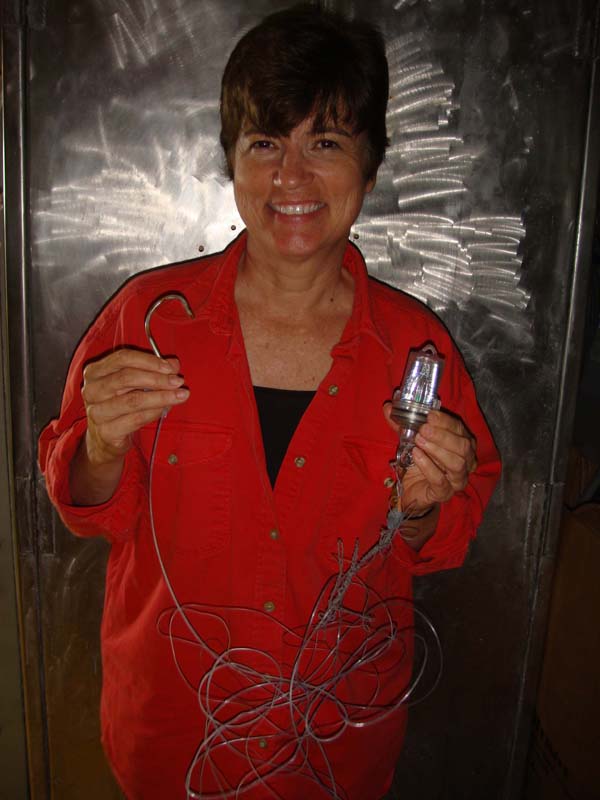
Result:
[[291, 319], [294, 290]]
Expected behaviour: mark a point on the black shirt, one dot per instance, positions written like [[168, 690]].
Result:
[[279, 412]]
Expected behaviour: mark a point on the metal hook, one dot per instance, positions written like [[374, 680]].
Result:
[[152, 309]]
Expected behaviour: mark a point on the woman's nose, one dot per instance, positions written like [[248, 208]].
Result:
[[293, 170]]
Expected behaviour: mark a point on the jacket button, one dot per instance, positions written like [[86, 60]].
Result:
[[269, 606], [333, 389], [299, 461], [172, 459], [274, 534]]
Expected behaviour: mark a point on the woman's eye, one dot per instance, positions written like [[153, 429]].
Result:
[[262, 144], [327, 144]]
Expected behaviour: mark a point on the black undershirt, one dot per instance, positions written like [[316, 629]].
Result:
[[279, 412]]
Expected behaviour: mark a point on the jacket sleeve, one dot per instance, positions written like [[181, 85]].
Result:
[[461, 515], [115, 519]]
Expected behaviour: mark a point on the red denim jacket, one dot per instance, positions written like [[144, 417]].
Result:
[[246, 563]]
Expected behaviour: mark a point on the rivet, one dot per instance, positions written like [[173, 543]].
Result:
[[389, 482], [274, 534], [299, 461], [262, 743], [333, 389], [172, 459], [269, 606]]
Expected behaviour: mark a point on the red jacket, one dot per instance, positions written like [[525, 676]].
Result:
[[184, 684]]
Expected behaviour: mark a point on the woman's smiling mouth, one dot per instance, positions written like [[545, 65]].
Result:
[[296, 209]]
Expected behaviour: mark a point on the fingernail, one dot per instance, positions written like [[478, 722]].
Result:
[[175, 380], [164, 366], [421, 440], [182, 394]]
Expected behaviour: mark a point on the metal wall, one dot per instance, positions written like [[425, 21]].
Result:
[[482, 209]]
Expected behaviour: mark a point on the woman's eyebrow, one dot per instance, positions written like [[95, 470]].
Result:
[[331, 129], [254, 132], [318, 130]]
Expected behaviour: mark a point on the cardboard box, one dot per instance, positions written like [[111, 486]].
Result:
[[565, 756], [581, 472]]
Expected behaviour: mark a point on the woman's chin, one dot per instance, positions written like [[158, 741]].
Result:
[[298, 246], [300, 251]]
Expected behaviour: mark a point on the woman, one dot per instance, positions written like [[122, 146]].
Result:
[[271, 468]]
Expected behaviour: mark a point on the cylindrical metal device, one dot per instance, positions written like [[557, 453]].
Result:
[[412, 402]]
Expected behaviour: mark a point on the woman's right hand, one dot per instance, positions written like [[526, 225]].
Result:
[[121, 392]]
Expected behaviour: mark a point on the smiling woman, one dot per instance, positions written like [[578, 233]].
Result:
[[299, 194], [272, 466]]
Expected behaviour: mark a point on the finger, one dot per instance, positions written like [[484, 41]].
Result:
[[127, 380], [454, 467], [453, 436], [438, 488], [447, 449], [128, 358], [387, 412], [134, 402], [441, 419], [451, 433], [115, 434]]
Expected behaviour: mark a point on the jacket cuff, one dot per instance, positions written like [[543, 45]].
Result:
[[116, 518], [447, 547]]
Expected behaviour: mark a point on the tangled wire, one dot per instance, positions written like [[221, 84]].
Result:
[[265, 719]]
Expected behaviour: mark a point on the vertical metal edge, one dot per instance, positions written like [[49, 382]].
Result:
[[569, 376], [13, 739], [17, 375]]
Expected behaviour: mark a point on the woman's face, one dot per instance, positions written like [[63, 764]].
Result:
[[299, 194]]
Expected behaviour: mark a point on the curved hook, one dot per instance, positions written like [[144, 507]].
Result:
[[152, 309]]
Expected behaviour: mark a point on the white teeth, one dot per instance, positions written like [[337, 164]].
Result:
[[299, 208]]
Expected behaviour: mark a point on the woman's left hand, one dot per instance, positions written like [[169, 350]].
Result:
[[443, 458]]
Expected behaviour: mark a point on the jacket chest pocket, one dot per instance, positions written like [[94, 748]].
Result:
[[358, 503], [191, 485]]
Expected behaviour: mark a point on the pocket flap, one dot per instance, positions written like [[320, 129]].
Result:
[[183, 443]]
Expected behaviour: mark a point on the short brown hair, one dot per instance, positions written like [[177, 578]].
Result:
[[302, 61]]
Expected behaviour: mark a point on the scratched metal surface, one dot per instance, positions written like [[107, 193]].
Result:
[[473, 213]]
